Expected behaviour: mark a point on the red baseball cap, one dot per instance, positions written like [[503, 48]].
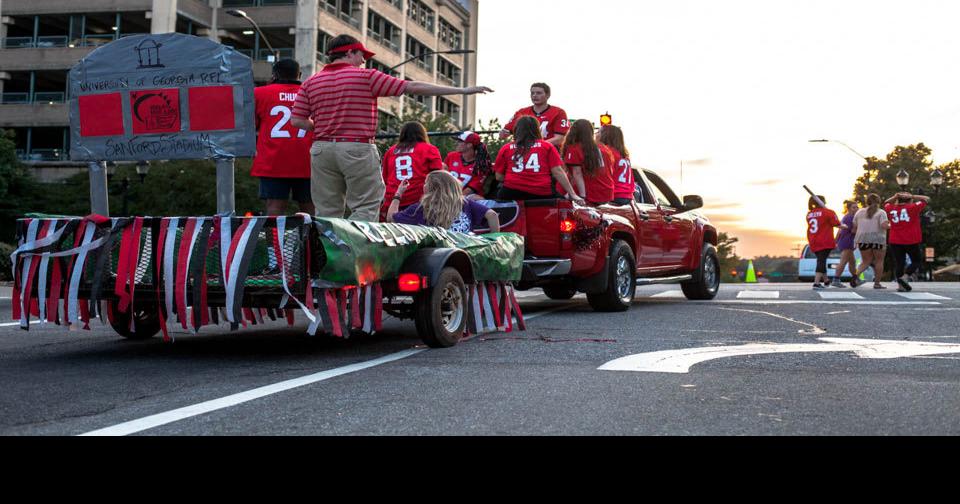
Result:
[[368, 54], [470, 138]]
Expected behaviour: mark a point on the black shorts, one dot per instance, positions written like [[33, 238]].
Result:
[[272, 188], [822, 256], [871, 246]]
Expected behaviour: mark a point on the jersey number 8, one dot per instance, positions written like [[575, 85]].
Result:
[[404, 165]]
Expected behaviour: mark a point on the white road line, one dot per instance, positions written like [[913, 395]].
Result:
[[150, 422], [749, 294], [157, 420], [821, 302], [920, 296], [10, 324], [670, 294], [834, 296]]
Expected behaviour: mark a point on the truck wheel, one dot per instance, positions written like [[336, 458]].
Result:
[[441, 312], [559, 292], [146, 322], [622, 282], [706, 280]]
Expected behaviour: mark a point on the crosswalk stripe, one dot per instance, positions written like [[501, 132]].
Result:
[[920, 296], [749, 294], [832, 296]]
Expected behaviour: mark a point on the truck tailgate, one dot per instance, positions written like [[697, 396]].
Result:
[[543, 226]]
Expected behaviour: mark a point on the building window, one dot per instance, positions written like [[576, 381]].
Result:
[[417, 48], [448, 72], [421, 14], [349, 11], [450, 35], [323, 43], [449, 109], [396, 3], [377, 65], [256, 3], [383, 31], [387, 122]]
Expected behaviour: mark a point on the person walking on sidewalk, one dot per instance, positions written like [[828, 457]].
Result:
[[339, 105], [820, 224], [845, 243], [904, 210]]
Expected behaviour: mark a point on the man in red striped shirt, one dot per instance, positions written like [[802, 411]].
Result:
[[339, 104]]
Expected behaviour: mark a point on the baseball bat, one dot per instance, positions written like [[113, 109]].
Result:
[[815, 197]]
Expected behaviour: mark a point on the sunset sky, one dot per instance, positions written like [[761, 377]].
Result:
[[736, 88]]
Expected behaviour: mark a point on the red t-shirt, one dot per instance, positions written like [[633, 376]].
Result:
[[553, 121], [820, 224], [282, 150], [464, 172], [905, 222], [623, 183], [532, 173], [409, 165], [599, 186]]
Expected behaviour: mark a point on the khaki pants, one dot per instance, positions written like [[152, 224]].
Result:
[[346, 175]]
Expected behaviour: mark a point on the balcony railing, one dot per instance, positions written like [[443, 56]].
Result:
[[52, 41], [42, 155], [49, 98], [15, 98], [284, 52], [18, 42], [346, 18], [389, 44], [38, 98], [424, 65], [97, 40]]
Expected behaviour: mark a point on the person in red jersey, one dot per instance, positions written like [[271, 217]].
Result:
[[623, 183], [820, 223], [553, 120], [339, 104], [904, 211], [283, 152], [411, 159], [528, 166], [589, 165], [470, 163]]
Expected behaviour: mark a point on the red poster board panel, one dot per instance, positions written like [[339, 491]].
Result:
[[101, 115], [211, 108], [155, 111]]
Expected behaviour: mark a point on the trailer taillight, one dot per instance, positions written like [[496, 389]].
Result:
[[411, 282], [567, 226]]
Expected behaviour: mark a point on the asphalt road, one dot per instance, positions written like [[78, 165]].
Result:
[[544, 381]]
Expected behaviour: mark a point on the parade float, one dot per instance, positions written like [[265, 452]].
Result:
[[174, 96]]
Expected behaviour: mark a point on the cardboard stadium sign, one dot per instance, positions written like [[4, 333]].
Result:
[[156, 97]]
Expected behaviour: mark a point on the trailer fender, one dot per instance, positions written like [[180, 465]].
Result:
[[429, 262]]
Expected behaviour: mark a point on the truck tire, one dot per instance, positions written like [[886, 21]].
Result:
[[441, 312], [559, 292], [706, 280], [622, 282], [146, 322]]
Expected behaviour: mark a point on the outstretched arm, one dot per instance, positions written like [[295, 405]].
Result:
[[425, 89]]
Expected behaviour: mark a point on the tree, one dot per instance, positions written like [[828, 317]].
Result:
[[728, 258], [880, 177]]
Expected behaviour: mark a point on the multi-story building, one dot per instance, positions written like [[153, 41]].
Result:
[[41, 39]]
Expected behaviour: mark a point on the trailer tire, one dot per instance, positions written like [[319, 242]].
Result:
[[621, 283], [441, 311], [706, 280], [146, 322]]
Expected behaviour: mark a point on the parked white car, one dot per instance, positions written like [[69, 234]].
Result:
[[807, 267]]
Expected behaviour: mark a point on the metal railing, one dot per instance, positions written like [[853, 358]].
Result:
[[96, 40], [389, 44], [424, 65], [49, 97], [43, 155], [285, 52], [15, 98], [52, 41], [18, 42]]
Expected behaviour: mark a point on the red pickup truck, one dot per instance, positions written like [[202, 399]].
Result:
[[607, 251]]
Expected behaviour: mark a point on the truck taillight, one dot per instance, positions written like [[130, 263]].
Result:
[[411, 282], [567, 226]]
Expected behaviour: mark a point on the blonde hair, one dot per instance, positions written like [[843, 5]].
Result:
[[442, 199]]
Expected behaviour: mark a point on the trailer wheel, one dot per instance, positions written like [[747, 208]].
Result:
[[145, 321], [622, 282], [441, 312]]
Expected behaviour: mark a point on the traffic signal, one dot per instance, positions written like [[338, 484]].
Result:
[[606, 119]]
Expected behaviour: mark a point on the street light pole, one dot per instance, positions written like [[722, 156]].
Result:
[[243, 15], [823, 140]]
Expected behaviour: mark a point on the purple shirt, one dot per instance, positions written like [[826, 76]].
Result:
[[845, 236], [472, 217]]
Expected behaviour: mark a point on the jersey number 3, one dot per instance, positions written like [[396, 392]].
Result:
[[278, 131]]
